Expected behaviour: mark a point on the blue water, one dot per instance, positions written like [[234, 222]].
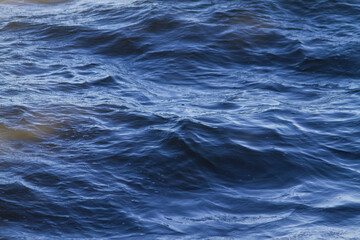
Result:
[[180, 119]]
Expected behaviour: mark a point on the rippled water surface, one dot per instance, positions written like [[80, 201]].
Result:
[[179, 119]]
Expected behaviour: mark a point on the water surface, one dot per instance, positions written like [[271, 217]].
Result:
[[179, 120]]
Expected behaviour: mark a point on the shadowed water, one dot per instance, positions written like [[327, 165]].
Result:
[[179, 120]]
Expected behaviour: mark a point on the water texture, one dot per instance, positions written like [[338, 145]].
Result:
[[179, 119]]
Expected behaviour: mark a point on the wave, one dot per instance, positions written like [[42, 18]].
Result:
[[168, 119]]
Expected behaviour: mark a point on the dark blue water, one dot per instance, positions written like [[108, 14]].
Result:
[[180, 119]]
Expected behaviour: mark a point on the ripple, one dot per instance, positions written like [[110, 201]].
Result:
[[191, 120]]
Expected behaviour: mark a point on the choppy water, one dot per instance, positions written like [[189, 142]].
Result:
[[180, 119]]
